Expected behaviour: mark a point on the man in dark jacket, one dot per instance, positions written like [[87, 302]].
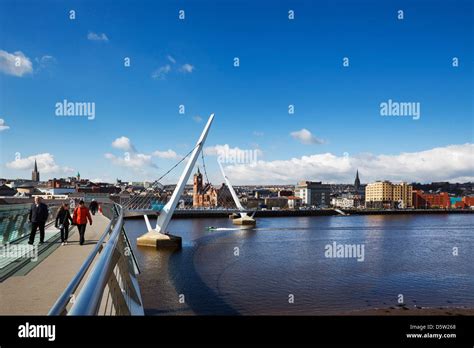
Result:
[[93, 206], [38, 216]]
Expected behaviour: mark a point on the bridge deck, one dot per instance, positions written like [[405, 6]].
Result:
[[35, 292]]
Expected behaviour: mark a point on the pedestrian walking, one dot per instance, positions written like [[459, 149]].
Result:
[[80, 217], [63, 217], [93, 206], [37, 217]]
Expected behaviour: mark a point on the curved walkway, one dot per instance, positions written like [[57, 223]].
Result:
[[35, 292]]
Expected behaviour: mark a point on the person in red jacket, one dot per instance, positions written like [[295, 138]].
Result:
[[80, 217]]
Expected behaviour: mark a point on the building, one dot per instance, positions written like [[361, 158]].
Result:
[[276, 202], [313, 193], [285, 193], [6, 191], [206, 195], [385, 195], [423, 200], [467, 202], [35, 175], [357, 182], [402, 195], [345, 202], [26, 189], [294, 202], [253, 203]]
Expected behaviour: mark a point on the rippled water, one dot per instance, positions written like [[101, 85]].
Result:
[[410, 255]]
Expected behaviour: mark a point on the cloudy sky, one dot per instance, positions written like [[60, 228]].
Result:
[[290, 110]]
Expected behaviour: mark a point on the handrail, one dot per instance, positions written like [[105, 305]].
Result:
[[112, 276], [88, 301], [61, 303]]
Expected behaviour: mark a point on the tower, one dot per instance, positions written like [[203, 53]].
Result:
[[35, 175], [78, 176], [197, 188], [357, 182]]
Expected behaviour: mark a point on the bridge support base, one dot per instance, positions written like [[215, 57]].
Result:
[[159, 240]]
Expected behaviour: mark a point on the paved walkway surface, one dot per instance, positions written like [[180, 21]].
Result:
[[35, 292]]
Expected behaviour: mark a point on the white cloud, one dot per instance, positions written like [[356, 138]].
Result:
[[97, 37], [3, 126], [135, 161], [45, 161], [132, 159], [187, 68], [168, 154], [197, 119], [16, 64], [161, 72], [450, 163], [305, 137], [258, 134], [123, 143], [171, 59]]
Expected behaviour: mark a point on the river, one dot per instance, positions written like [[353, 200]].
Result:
[[281, 267]]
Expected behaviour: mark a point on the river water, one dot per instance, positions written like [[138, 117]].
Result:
[[281, 265]]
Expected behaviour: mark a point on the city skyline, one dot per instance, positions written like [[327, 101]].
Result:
[[336, 128]]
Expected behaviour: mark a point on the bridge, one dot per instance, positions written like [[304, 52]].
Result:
[[97, 278]]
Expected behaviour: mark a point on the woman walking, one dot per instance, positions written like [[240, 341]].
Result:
[[62, 222], [80, 217]]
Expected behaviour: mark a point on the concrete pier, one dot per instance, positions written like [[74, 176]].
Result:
[[159, 240]]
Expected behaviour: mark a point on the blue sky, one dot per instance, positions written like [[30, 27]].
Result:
[[282, 62]]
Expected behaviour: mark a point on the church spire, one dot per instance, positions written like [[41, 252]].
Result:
[[357, 181], [35, 175]]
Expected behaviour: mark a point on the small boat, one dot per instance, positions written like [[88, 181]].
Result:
[[210, 228]]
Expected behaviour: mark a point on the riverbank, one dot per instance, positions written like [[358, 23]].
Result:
[[195, 213]]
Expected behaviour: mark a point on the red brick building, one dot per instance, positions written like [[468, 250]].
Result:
[[423, 200], [465, 203]]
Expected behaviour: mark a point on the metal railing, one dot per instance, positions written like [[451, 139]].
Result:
[[111, 287], [14, 223]]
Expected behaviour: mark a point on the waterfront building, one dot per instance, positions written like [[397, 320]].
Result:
[[467, 202], [385, 195], [313, 193], [294, 202], [35, 175], [285, 193], [422, 200], [253, 203], [403, 195], [345, 202], [276, 202], [206, 195]]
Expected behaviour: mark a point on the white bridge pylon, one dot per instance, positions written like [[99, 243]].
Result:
[[232, 191], [244, 219], [168, 210]]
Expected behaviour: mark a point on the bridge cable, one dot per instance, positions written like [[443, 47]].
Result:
[[177, 164], [204, 167]]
